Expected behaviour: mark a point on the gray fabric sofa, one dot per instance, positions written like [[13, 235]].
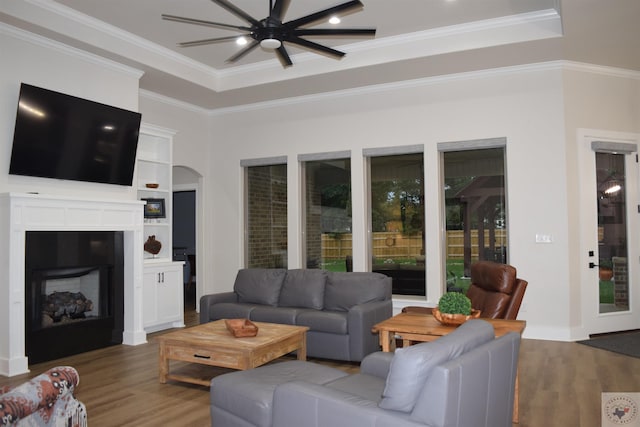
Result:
[[464, 379], [339, 308]]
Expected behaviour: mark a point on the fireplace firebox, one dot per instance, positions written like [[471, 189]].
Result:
[[74, 284]]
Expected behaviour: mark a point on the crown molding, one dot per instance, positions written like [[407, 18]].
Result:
[[429, 81], [47, 43], [153, 96], [491, 32]]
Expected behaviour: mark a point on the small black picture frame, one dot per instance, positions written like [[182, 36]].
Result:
[[154, 208]]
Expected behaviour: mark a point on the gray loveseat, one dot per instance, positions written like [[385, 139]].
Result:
[[464, 379], [339, 308]]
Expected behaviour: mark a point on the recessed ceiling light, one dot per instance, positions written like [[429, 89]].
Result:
[[334, 20], [241, 41]]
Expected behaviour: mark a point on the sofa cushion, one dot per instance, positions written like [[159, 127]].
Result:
[[259, 285], [411, 366], [303, 288], [344, 290], [366, 386], [249, 394], [333, 322]]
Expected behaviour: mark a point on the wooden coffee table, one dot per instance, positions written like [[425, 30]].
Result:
[[420, 327], [212, 344]]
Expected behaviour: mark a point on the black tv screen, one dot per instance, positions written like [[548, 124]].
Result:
[[65, 137]]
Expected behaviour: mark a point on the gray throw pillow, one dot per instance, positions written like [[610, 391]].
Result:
[[259, 285], [344, 290], [411, 366], [303, 288]]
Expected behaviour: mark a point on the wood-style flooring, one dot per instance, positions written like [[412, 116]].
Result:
[[560, 385]]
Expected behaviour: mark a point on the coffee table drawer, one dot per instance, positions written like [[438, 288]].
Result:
[[206, 356]]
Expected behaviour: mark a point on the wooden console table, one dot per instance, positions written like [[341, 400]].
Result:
[[420, 327]]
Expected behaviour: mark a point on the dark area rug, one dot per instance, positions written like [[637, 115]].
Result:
[[627, 343]]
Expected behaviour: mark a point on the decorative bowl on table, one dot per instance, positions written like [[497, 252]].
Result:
[[449, 319], [241, 328]]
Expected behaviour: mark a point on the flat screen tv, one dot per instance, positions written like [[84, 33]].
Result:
[[65, 137]]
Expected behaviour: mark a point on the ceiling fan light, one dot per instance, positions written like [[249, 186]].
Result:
[[270, 44], [334, 20]]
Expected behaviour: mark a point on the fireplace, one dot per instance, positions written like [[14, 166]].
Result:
[[74, 287], [23, 213]]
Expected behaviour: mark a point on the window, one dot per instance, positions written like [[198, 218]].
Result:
[[476, 215], [327, 217], [397, 220], [266, 216]]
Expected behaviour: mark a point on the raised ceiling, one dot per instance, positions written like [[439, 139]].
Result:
[[415, 39]]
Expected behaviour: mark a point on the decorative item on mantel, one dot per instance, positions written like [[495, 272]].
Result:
[[152, 246], [453, 309]]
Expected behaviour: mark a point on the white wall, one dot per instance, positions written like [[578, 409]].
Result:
[[525, 106], [537, 108]]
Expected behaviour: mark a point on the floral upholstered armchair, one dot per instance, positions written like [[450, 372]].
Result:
[[45, 400]]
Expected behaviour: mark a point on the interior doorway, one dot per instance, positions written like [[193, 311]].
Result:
[[187, 240], [184, 241]]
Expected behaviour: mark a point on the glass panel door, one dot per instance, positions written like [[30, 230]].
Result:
[[609, 229], [613, 265]]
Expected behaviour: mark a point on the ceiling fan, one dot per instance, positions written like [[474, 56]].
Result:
[[271, 33]]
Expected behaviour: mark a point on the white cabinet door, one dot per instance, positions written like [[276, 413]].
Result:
[[163, 296]]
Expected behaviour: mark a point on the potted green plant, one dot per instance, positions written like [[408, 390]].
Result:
[[605, 269], [454, 308]]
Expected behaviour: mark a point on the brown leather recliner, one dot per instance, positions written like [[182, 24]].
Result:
[[495, 291]]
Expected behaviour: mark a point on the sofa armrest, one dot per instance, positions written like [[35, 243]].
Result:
[[299, 403], [206, 301], [377, 364], [361, 319], [48, 395]]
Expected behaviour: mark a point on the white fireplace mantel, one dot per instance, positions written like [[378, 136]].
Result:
[[35, 212]]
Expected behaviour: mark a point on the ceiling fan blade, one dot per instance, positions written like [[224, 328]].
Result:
[[208, 41], [284, 56], [237, 11], [280, 9], [244, 51], [335, 32], [335, 10], [201, 22], [315, 46]]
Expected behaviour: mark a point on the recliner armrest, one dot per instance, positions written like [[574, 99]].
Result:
[[206, 301]]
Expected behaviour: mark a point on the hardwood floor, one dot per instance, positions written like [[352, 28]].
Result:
[[560, 385]]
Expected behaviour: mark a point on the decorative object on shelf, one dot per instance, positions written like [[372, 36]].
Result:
[[240, 328], [154, 208], [152, 185], [454, 308], [152, 245]]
